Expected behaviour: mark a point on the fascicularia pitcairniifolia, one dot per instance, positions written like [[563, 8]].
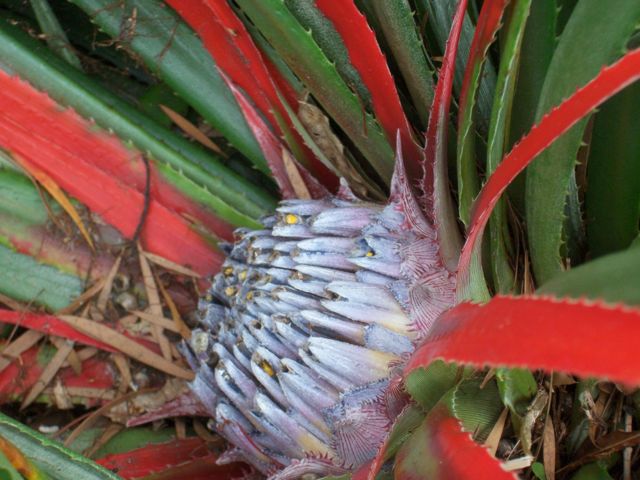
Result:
[[304, 330]]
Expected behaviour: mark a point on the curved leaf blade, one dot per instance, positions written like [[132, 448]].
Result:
[[169, 48], [440, 449], [612, 200], [61, 144], [538, 334], [607, 83], [468, 179], [548, 180], [50, 456], [613, 278], [303, 55], [438, 202], [367, 58]]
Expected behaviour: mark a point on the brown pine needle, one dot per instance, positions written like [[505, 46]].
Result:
[[86, 392], [47, 374], [86, 353], [12, 304], [111, 431], [105, 293], [169, 265], [82, 299], [154, 303], [182, 329], [493, 439], [549, 449], [93, 417], [293, 173], [181, 428], [72, 360], [127, 346], [163, 322], [58, 194], [204, 433], [191, 130], [24, 342], [122, 365]]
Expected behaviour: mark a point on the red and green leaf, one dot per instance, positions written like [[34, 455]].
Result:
[[553, 212], [367, 58], [468, 179], [24, 372], [97, 169], [239, 60], [607, 83], [189, 457], [538, 333], [441, 449], [438, 202]]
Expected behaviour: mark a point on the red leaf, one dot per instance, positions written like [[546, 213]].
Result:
[[607, 83], [439, 449], [273, 148], [160, 458], [22, 374], [51, 325], [102, 173], [229, 43], [585, 339], [488, 25], [367, 58]]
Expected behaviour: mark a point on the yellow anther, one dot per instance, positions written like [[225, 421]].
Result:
[[291, 219], [250, 295], [227, 271], [242, 275], [370, 253], [268, 369], [230, 291]]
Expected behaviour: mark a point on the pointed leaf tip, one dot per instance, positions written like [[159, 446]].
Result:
[[607, 83]]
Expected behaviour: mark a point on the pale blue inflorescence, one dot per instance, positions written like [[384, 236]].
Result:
[[304, 325]]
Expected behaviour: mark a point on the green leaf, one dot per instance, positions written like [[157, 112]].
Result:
[[536, 52], [54, 459], [547, 183], [477, 409], [330, 42], [404, 426], [303, 55], [497, 144], [7, 470], [427, 385], [20, 199], [613, 194], [124, 441], [230, 196], [538, 470], [586, 392], [613, 278], [439, 14], [162, 94], [592, 471], [171, 50], [477, 406], [517, 388], [54, 34], [400, 32], [23, 278]]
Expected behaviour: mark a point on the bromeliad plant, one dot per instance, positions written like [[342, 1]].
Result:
[[481, 322]]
